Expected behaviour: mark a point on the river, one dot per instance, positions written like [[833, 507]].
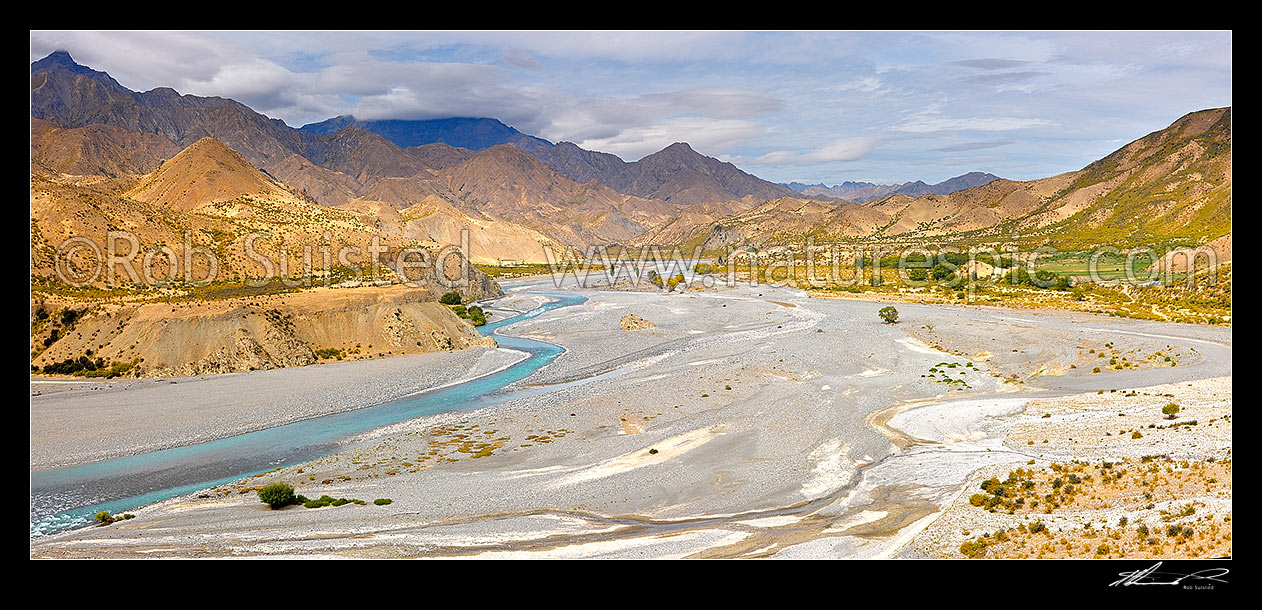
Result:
[[69, 497]]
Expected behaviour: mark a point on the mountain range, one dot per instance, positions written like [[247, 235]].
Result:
[[110, 153], [862, 192]]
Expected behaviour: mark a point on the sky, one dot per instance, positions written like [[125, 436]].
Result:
[[807, 106]]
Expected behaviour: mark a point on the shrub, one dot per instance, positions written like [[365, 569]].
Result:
[[87, 367], [1170, 409], [70, 316], [889, 315], [327, 500], [674, 282], [451, 298], [104, 517], [277, 495], [328, 352], [974, 548], [382, 501]]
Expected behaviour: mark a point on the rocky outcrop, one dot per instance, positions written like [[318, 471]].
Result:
[[634, 322]]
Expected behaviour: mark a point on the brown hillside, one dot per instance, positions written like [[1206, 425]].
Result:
[[203, 173], [264, 333], [322, 184], [504, 183], [97, 150]]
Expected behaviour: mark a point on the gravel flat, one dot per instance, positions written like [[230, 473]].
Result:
[[752, 421]]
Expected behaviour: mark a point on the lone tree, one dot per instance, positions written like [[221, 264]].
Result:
[[1170, 409], [450, 298], [889, 315]]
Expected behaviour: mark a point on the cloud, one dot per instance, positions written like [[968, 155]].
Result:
[[706, 136], [1001, 77], [981, 161], [846, 149], [932, 120], [975, 145], [779, 157], [866, 84], [436, 90], [991, 63], [626, 46], [719, 103], [521, 58], [626, 120]]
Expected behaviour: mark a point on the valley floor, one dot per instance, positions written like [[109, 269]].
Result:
[[751, 422]]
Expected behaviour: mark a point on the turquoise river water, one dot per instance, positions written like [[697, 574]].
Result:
[[66, 498]]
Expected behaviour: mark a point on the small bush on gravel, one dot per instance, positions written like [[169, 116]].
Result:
[[889, 315], [277, 495], [382, 501]]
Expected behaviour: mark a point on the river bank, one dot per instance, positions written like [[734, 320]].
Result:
[[96, 420]]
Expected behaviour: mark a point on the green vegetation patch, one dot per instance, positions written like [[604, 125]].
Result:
[[278, 495]]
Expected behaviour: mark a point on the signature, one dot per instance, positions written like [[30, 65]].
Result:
[[1151, 576]]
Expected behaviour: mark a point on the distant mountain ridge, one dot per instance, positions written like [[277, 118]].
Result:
[[677, 173], [1171, 186], [70, 95], [863, 192], [473, 133]]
